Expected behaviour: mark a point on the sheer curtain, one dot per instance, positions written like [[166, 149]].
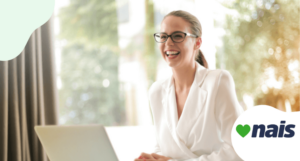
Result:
[[28, 97]]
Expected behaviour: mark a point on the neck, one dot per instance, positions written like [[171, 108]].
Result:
[[184, 76]]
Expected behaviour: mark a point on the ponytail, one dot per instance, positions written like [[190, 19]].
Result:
[[201, 59]]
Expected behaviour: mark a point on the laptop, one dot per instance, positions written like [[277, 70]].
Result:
[[76, 143]]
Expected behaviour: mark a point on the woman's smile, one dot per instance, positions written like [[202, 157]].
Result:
[[177, 50], [171, 54]]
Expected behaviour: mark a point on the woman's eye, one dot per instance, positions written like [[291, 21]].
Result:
[[177, 36]]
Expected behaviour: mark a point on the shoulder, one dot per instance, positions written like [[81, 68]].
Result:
[[218, 78], [219, 72], [224, 83], [220, 75], [158, 86], [225, 78], [156, 94], [226, 96]]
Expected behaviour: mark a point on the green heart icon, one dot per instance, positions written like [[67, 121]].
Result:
[[243, 130]]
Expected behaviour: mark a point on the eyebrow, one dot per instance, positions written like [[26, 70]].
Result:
[[172, 32]]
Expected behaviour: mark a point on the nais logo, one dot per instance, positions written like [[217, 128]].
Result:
[[269, 131], [263, 133]]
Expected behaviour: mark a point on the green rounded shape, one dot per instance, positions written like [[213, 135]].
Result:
[[18, 20]]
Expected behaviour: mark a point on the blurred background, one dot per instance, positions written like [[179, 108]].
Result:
[[107, 59]]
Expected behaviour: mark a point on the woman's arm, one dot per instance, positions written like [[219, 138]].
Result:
[[153, 95], [227, 110], [157, 149]]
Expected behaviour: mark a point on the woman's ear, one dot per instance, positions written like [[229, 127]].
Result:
[[198, 43]]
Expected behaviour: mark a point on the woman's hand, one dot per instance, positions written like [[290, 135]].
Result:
[[144, 157], [160, 157], [152, 157]]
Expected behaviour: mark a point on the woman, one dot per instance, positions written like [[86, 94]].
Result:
[[193, 110]]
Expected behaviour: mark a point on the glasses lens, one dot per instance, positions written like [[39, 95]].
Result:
[[178, 37], [159, 37]]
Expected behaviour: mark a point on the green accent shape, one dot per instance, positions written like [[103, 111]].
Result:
[[18, 20], [243, 130]]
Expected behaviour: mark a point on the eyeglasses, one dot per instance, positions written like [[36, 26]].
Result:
[[176, 37]]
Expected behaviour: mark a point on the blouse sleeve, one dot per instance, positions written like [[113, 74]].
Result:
[[227, 110], [153, 89], [157, 149]]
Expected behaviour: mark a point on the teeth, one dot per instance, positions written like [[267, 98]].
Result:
[[172, 52]]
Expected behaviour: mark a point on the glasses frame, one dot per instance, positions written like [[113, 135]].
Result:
[[185, 34]]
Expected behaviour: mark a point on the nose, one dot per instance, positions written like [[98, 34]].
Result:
[[169, 42]]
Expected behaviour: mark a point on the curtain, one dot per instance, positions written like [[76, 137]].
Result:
[[28, 97]]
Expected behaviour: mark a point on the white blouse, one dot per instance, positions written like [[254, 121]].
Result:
[[203, 132]]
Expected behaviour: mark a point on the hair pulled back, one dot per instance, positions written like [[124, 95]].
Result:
[[196, 29]]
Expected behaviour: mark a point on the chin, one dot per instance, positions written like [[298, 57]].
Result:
[[172, 64]]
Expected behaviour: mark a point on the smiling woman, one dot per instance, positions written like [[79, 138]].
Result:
[[193, 110], [179, 23]]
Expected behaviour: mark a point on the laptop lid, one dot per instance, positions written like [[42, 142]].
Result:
[[76, 143]]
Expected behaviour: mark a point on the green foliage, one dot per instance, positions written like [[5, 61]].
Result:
[[263, 35], [85, 74], [90, 21], [90, 90], [149, 56]]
